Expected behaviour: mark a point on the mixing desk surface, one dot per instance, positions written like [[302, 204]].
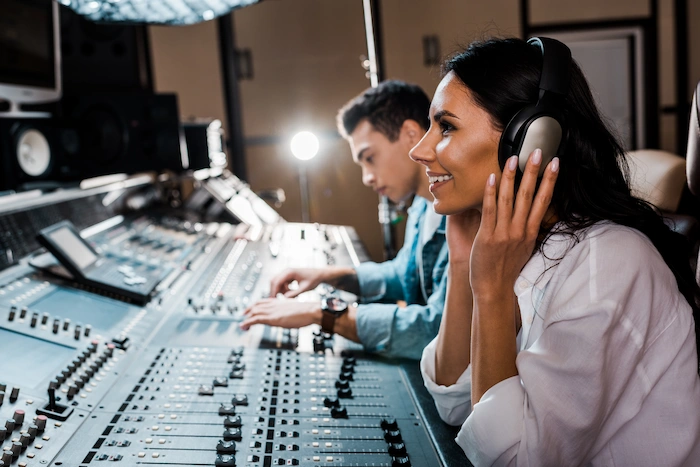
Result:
[[88, 376]]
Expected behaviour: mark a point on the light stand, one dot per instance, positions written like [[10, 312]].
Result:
[[304, 146]]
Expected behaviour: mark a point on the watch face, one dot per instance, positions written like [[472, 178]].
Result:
[[336, 305]]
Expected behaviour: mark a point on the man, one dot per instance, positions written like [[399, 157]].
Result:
[[381, 125]]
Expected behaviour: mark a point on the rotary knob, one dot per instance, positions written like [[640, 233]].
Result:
[[10, 424], [16, 449], [14, 394], [25, 439], [18, 417], [41, 422], [3, 433], [7, 457]]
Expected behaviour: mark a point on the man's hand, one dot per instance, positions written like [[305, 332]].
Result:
[[308, 279], [282, 312]]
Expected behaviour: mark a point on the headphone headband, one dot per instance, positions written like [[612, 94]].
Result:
[[556, 61]]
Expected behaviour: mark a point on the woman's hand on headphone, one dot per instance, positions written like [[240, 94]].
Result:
[[510, 225]]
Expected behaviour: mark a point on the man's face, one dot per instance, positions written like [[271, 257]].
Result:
[[386, 167]]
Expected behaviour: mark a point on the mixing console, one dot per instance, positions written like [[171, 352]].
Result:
[[87, 377]]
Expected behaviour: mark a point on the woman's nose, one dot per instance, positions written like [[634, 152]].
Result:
[[422, 153]]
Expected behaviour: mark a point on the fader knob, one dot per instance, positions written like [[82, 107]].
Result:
[[393, 436], [389, 424], [233, 422], [346, 376], [2, 397], [225, 461], [66, 324], [3, 387], [227, 410], [35, 318], [14, 394], [340, 384], [88, 328], [402, 461], [44, 318], [341, 412], [232, 434], [226, 447], [76, 333], [397, 450], [328, 402], [23, 312], [345, 393], [56, 324], [13, 312]]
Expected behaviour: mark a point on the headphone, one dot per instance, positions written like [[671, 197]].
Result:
[[541, 125]]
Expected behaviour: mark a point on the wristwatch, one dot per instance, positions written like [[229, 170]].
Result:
[[332, 308]]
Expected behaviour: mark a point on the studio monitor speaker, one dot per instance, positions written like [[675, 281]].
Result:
[[108, 133], [30, 154]]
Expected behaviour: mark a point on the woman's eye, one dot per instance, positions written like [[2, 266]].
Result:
[[369, 159], [445, 127]]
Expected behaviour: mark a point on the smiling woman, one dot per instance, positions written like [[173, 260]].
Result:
[[459, 150], [569, 314]]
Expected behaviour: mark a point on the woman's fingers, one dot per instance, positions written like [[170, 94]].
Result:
[[505, 193], [543, 198], [488, 207]]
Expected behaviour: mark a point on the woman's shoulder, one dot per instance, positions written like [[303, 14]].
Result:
[[610, 259], [608, 240]]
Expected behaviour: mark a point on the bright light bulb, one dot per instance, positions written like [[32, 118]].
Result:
[[304, 145]]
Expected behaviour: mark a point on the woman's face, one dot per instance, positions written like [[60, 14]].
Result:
[[460, 149]]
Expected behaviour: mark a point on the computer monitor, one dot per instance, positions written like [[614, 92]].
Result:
[[30, 54]]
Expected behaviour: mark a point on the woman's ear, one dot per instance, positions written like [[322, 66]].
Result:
[[411, 132]]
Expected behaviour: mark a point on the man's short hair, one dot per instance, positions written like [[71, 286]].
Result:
[[386, 107]]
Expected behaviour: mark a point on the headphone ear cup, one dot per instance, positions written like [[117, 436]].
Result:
[[530, 129], [511, 138]]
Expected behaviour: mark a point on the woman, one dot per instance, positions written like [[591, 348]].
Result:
[[568, 336]]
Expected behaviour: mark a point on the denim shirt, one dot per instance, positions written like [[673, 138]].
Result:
[[403, 332]]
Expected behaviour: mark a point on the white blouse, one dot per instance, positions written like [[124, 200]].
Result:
[[607, 364]]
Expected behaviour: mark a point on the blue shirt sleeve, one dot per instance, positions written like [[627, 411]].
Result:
[[385, 282], [391, 331]]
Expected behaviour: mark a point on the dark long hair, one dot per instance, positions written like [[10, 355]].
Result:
[[503, 76]]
